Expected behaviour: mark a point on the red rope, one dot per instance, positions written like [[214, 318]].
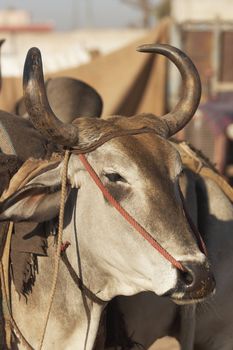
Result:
[[128, 217]]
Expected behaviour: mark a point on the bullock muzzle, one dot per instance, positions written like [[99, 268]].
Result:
[[193, 285]]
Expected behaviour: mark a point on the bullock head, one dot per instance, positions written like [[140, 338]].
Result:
[[141, 169]]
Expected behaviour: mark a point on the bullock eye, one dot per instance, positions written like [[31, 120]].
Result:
[[114, 177]]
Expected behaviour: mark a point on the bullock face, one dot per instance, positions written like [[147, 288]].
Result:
[[142, 173]]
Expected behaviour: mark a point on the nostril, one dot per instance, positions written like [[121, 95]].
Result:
[[187, 278], [197, 279]]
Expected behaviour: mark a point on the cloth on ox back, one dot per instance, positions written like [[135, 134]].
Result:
[[29, 239], [18, 142]]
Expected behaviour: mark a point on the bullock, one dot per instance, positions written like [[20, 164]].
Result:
[[137, 171]]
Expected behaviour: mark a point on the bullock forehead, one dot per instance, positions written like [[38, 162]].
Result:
[[150, 153]]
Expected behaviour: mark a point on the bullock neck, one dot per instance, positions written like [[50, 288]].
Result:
[[90, 306], [80, 284]]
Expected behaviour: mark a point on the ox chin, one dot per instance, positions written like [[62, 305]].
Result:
[[194, 296], [180, 299]]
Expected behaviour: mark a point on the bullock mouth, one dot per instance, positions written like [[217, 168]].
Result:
[[184, 301], [180, 298], [187, 299]]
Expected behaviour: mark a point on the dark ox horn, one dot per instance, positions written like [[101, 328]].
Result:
[[86, 134]]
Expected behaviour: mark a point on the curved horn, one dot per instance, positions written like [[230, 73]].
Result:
[[191, 92]]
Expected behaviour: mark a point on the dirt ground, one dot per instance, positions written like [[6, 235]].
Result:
[[165, 344]]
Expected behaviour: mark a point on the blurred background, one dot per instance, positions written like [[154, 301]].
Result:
[[99, 25], [96, 41]]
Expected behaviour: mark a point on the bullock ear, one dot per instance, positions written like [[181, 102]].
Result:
[[69, 99], [72, 98], [38, 200]]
